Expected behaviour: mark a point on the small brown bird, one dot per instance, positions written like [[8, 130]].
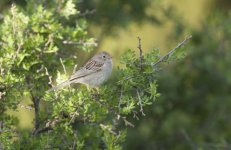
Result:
[[95, 72]]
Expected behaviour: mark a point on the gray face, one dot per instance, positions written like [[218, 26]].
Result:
[[103, 56]]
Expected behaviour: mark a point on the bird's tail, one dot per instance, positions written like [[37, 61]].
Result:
[[65, 83]]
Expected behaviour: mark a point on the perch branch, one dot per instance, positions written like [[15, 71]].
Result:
[[171, 51]]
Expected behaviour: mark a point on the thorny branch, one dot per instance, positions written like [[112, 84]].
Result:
[[171, 51]]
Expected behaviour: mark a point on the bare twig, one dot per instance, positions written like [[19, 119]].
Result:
[[189, 140], [87, 12], [75, 68], [141, 51], [64, 68], [140, 103], [171, 51]]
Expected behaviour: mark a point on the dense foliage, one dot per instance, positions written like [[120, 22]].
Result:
[[38, 43], [194, 108]]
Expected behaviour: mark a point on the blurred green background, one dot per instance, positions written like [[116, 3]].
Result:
[[194, 110]]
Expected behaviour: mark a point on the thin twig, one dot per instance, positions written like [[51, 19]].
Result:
[[87, 12], [141, 52], [140, 103], [189, 140], [75, 68], [64, 69], [171, 51]]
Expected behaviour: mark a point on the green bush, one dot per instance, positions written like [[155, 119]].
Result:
[[37, 43]]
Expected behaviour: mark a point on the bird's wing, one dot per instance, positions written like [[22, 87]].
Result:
[[89, 68]]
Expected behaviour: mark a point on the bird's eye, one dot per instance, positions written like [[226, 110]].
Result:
[[104, 56]]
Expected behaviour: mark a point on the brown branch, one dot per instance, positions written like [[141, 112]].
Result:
[[141, 52], [48, 127], [36, 101], [172, 51], [39, 131]]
